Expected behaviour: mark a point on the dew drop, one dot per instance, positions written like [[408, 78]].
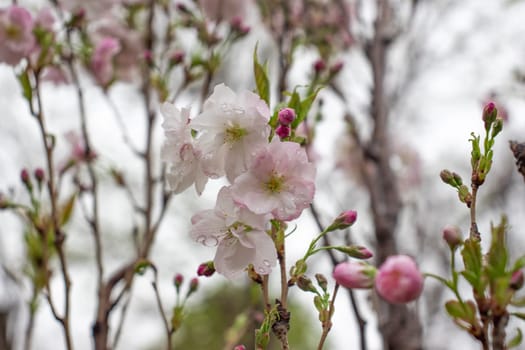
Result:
[[266, 263], [201, 239], [261, 270], [211, 241]]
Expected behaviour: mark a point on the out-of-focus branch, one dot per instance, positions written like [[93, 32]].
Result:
[[361, 322]]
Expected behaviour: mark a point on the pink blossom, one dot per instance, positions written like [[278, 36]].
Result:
[[239, 234], [16, 34], [279, 181], [354, 275], [102, 61], [232, 128], [179, 152], [399, 280], [223, 10]]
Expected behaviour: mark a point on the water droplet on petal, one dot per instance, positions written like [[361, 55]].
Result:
[[211, 241], [201, 239], [261, 270], [266, 263]]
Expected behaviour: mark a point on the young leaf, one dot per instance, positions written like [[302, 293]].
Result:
[[472, 260], [27, 90], [261, 79], [516, 340]]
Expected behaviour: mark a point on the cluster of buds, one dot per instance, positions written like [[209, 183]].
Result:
[[286, 117]]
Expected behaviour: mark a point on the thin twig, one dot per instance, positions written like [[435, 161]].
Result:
[[327, 325]]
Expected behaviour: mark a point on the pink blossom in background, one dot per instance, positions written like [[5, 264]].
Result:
[[131, 46], [354, 275], [239, 234], [399, 280], [224, 10], [232, 128], [16, 34], [102, 61], [279, 181], [183, 158]]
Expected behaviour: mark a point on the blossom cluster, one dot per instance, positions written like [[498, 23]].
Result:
[[268, 178]]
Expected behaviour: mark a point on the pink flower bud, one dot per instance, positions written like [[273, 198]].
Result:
[[194, 285], [354, 275], [240, 347], [286, 116], [517, 280], [177, 281], [344, 220], [399, 280], [319, 66], [24, 176], [452, 235], [336, 68], [283, 131], [206, 269], [489, 114], [39, 174], [177, 57]]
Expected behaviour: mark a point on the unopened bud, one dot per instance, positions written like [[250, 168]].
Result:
[[452, 235], [354, 275], [24, 177], [344, 220], [239, 347], [321, 281], [305, 284], [447, 177], [319, 66], [283, 131], [489, 114], [355, 251], [177, 57], [206, 269], [148, 57], [286, 116], [464, 195], [194, 285], [517, 280], [177, 281], [336, 68], [39, 174], [399, 280]]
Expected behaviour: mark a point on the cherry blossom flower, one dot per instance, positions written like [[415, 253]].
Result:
[[16, 34], [398, 280], [239, 234], [232, 128], [280, 181], [223, 10], [102, 60], [179, 151]]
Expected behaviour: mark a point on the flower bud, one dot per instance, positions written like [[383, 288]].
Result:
[[39, 174], [286, 116], [283, 131], [336, 68], [177, 281], [24, 177], [344, 220], [194, 285], [321, 281], [447, 177], [517, 280], [489, 114], [319, 66], [452, 235], [354, 275], [239, 347], [399, 280], [355, 251], [206, 269], [305, 284]]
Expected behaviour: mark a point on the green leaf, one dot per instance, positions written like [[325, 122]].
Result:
[[516, 340], [142, 265], [261, 79], [519, 315], [498, 254], [67, 209], [472, 259], [27, 90], [304, 108], [518, 264]]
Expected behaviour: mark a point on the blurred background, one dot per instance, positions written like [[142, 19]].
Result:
[[443, 61]]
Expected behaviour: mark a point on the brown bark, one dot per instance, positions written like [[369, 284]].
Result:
[[399, 325]]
